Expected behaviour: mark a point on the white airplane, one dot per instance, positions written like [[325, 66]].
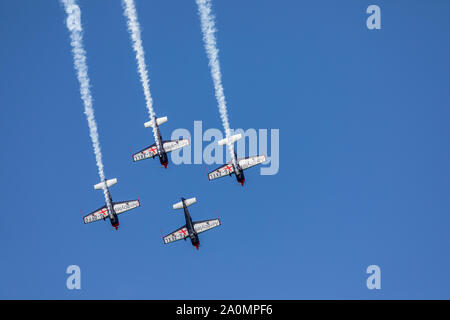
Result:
[[161, 148], [116, 207], [241, 164], [190, 229]]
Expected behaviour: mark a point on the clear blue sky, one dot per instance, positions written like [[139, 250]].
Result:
[[364, 159]]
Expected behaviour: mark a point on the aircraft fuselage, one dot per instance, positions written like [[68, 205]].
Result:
[[190, 226], [112, 214], [162, 155], [239, 173]]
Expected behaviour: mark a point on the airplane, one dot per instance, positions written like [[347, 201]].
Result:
[[240, 165], [190, 229], [111, 209], [160, 147]]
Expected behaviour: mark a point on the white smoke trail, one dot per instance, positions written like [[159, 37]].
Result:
[[135, 34], [209, 39], [73, 23]]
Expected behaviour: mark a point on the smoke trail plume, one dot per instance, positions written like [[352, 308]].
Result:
[[135, 34], [73, 23], [209, 39]]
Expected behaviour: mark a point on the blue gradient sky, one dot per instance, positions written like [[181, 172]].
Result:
[[364, 164]]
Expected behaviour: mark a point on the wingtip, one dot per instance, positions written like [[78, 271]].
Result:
[[206, 171]]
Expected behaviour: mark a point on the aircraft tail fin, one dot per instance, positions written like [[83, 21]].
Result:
[[187, 202], [159, 121], [108, 183]]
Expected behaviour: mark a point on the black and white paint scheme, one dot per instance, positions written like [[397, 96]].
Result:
[[160, 147], [112, 211], [238, 167], [190, 229]]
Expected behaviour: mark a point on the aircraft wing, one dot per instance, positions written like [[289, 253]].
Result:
[[123, 206], [96, 215], [146, 153], [171, 145], [221, 172], [178, 234], [201, 226], [249, 162]]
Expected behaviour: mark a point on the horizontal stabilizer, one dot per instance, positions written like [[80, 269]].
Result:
[[109, 183], [159, 121], [230, 139], [187, 202]]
